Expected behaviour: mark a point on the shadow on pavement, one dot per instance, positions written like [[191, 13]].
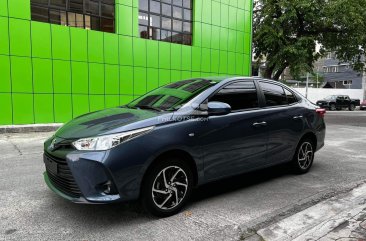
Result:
[[242, 181]]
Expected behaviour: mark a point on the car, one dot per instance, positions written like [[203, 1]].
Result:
[[338, 102], [163, 144], [363, 105]]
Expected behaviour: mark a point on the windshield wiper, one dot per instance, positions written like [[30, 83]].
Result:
[[148, 107]]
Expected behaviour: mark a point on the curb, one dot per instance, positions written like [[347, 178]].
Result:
[[29, 128], [332, 219]]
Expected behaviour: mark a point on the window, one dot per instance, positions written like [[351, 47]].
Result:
[[89, 14], [274, 94], [290, 97], [239, 95], [171, 96], [166, 20]]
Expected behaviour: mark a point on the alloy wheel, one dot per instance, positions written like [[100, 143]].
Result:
[[305, 155], [170, 187]]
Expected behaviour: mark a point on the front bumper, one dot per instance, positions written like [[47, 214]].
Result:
[[80, 179], [60, 193]]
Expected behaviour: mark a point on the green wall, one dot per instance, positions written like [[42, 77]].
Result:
[[52, 73]]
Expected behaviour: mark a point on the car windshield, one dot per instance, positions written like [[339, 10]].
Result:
[[331, 97], [172, 96]]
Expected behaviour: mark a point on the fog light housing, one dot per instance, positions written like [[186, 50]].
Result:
[[109, 188]]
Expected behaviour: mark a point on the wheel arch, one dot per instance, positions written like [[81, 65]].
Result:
[[173, 153], [312, 137]]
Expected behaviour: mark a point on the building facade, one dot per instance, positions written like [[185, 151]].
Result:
[[339, 75], [63, 58]]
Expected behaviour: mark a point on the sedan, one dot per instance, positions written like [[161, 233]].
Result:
[[363, 105], [163, 144]]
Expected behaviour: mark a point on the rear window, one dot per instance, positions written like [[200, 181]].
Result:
[[291, 98], [274, 94]]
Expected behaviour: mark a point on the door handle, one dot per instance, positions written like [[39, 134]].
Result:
[[298, 117], [260, 124]]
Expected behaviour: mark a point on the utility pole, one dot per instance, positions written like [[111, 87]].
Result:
[[364, 84], [317, 79], [307, 84]]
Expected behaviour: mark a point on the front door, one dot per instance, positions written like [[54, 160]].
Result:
[[236, 142]]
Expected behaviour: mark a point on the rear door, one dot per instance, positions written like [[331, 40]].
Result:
[[339, 101], [285, 118]]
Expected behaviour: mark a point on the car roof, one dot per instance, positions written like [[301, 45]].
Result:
[[229, 78]]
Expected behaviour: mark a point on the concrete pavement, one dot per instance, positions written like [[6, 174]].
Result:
[[231, 209], [339, 218]]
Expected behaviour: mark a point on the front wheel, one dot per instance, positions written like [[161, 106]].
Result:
[[304, 156], [167, 187]]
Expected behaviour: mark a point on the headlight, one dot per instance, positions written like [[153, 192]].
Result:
[[102, 143]]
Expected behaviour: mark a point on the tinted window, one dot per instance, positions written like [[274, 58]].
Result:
[[166, 20], [239, 95], [274, 94], [88, 14], [290, 97], [172, 96]]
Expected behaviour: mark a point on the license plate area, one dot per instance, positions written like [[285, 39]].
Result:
[[51, 165]]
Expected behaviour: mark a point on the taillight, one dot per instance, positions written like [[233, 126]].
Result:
[[321, 112]]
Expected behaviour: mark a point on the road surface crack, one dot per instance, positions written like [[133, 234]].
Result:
[[14, 145]]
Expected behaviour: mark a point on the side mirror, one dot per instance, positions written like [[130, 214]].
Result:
[[218, 108]]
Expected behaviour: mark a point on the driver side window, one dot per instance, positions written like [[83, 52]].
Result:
[[240, 95]]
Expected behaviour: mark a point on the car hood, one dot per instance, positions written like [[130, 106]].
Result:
[[109, 121]]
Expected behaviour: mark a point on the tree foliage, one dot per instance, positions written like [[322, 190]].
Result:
[[286, 33]]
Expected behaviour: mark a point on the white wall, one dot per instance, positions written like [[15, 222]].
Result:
[[318, 94]]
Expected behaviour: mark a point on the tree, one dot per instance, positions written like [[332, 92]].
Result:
[[286, 33]]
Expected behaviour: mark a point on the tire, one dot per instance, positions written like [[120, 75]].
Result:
[[332, 107], [304, 156], [351, 107], [160, 198]]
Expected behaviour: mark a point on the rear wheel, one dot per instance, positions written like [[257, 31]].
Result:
[[332, 107], [167, 187], [351, 107], [304, 156]]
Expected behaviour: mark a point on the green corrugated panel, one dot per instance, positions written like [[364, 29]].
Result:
[[4, 33], [23, 108], [5, 81], [63, 72], [42, 76], [19, 35], [6, 116], [41, 39], [43, 108], [19, 9]]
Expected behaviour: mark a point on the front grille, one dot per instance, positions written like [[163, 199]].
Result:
[[63, 179]]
